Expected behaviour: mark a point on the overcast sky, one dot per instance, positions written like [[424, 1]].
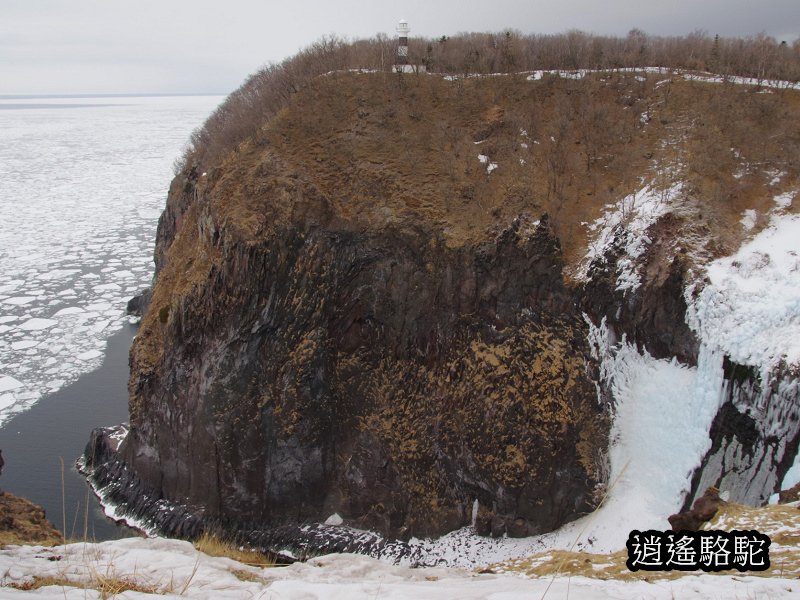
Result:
[[113, 46]]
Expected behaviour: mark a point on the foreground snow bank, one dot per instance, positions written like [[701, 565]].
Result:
[[173, 569]]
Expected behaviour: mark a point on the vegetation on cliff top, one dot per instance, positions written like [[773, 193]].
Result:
[[22, 522], [471, 153], [468, 156], [263, 94]]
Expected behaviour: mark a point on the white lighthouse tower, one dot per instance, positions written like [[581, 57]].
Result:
[[401, 61], [402, 42]]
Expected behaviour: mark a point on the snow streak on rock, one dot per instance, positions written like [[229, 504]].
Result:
[[83, 187], [750, 310], [623, 227]]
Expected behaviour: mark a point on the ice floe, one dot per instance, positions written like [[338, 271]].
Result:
[[81, 196]]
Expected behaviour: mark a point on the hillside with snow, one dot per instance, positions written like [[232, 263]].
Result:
[[474, 329]]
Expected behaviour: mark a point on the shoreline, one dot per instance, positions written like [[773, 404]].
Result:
[[131, 501], [57, 427]]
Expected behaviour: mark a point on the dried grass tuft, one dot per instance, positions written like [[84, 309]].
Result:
[[214, 546]]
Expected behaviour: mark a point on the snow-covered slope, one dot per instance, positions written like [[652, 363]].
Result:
[[173, 569], [751, 309]]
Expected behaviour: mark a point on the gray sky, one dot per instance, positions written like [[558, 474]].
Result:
[[108, 46]]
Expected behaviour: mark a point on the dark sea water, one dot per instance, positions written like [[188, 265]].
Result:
[[83, 180], [58, 427]]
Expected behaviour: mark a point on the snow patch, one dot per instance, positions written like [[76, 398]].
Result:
[[749, 219], [784, 200], [490, 166], [768, 84], [334, 520]]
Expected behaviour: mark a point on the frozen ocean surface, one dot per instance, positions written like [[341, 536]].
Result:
[[82, 184]]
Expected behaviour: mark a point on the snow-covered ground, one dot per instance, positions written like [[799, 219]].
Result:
[[688, 75], [173, 569], [82, 184]]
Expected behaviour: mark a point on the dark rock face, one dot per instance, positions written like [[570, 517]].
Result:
[[323, 366], [118, 485], [703, 510], [138, 305], [754, 437], [148, 509]]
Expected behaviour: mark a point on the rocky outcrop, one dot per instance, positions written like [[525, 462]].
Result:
[[138, 305], [754, 437], [145, 508], [652, 316], [22, 522], [358, 313], [703, 510]]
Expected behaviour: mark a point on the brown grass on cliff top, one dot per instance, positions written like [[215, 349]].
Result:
[[466, 157], [265, 93], [22, 522]]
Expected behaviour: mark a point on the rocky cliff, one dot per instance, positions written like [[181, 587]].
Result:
[[338, 367], [379, 308]]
